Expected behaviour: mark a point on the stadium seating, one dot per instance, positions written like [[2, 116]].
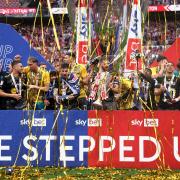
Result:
[[9, 4]]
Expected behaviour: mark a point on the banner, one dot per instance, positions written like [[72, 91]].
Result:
[[48, 139], [119, 139], [59, 10], [162, 8], [127, 139], [82, 33], [11, 44], [175, 48], [134, 40], [17, 11]]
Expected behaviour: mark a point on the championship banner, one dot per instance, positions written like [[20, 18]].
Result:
[[162, 8], [134, 139], [46, 138], [119, 139], [133, 62], [82, 33], [11, 44]]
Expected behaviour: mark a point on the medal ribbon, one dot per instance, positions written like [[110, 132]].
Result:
[[18, 89]]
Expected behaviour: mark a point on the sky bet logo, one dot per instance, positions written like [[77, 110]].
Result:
[[147, 122], [37, 122], [91, 122], [151, 122]]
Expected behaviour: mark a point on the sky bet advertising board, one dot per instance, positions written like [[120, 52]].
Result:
[[121, 139]]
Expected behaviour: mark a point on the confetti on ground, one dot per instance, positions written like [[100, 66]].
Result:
[[53, 173]]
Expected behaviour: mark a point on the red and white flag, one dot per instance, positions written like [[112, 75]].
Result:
[[82, 33], [134, 40]]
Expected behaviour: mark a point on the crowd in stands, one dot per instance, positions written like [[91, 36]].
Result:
[[163, 2], [9, 4], [19, 3], [158, 37], [154, 39], [43, 41], [55, 3], [158, 34]]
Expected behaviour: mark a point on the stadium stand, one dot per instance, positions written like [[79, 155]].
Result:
[[9, 4]]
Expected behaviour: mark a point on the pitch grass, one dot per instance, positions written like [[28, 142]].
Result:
[[87, 174]]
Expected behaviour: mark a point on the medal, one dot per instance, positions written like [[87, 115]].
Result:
[[145, 86], [18, 87], [63, 88], [35, 78], [168, 86]]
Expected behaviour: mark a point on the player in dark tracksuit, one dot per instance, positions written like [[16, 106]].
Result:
[[67, 88]]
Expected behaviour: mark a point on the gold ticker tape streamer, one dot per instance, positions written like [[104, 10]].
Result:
[[54, 26]]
